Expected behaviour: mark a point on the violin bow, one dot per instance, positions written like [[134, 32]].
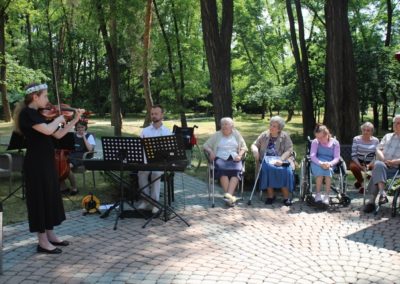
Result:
[[56, 86]]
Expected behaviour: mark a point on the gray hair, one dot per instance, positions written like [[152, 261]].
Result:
[[367, 125], [279, 120], [397, 116], [227, 120]]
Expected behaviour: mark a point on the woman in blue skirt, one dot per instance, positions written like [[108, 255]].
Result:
[[324, 154], [274, 149]]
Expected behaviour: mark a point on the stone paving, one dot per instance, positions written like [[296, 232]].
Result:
[[244, 244]]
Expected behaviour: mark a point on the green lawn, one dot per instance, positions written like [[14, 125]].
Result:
[[250, 127]]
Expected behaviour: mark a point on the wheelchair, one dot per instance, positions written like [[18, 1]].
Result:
[[338, 183]]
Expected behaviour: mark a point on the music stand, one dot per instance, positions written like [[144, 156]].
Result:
[[17, 142], [165, 150], [125, 150]]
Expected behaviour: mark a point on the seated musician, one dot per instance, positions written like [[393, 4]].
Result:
[[155, 129], [274, 149], [84, 142], [227, 148], [362, 145]]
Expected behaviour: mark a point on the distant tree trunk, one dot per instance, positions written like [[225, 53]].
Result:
[[217, 41], [303, 76], [146, 80], [375, 113], [178, 91], [3, 67], [181, 100], [385, 120], [29, 35], [113, 65], [342, 113]]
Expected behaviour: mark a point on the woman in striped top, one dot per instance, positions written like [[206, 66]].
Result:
[[362, 145]]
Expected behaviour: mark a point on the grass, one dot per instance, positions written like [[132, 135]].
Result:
[[250, 127]]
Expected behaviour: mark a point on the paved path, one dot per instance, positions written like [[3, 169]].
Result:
[[245, 244]]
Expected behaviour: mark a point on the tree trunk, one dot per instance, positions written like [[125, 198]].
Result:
[[385, 120], [146, 80], [113, 65], [303, 77], [375, 113], [178, 91], [3, 67], [342, 101], [217, 43], [181, 101], [29, 35]]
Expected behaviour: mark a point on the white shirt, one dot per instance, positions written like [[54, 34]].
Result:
[[151, 131], [227, 146]]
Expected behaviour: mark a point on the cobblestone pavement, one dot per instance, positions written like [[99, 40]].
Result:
[[244, 244]]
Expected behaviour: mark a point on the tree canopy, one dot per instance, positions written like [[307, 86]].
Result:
[[208, 57]]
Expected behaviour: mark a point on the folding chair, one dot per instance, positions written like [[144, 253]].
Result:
[[211, 178]]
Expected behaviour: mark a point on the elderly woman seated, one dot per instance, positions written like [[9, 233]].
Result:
[[363, 145], [274, 148], [226, 148]]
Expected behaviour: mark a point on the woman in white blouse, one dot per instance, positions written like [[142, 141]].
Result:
[[226, 148]]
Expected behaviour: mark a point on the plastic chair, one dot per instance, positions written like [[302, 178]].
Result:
[[211, 178]]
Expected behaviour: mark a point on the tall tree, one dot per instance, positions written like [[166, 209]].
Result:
[[217, 40], [111, 48], [146, 77], [3, 63], [389, 11], [303, 74], [342, 102]]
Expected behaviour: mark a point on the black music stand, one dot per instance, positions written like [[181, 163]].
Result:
[[18, 143], [125, 150], [165, 150]]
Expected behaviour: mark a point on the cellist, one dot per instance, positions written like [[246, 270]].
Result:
[[43, 198]]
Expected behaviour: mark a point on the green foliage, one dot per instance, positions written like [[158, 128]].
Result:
[[18, 77]]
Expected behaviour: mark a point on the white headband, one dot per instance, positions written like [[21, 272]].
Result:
[[36, 88]]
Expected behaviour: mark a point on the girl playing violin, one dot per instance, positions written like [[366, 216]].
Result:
[[43, 197]]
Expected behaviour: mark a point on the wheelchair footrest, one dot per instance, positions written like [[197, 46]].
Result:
[[318, 205]]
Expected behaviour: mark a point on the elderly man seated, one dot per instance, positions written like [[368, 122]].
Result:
[[388, 161]]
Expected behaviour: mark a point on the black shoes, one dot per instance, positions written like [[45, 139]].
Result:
[[287, 202], [270, 200], [370, 207], [48, 251], [383, 199], [62, 243], [74, 192]]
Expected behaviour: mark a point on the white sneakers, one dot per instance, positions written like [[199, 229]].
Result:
[[324, 199], [143, 205], [155, 210]]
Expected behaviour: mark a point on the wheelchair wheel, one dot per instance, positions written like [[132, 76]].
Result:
[[345, 200], [395, 204], [194, 158]]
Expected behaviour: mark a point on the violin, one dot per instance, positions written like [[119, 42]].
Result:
[[52, 111]]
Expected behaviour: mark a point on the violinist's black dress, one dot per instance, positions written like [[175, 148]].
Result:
[[43, 197]]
